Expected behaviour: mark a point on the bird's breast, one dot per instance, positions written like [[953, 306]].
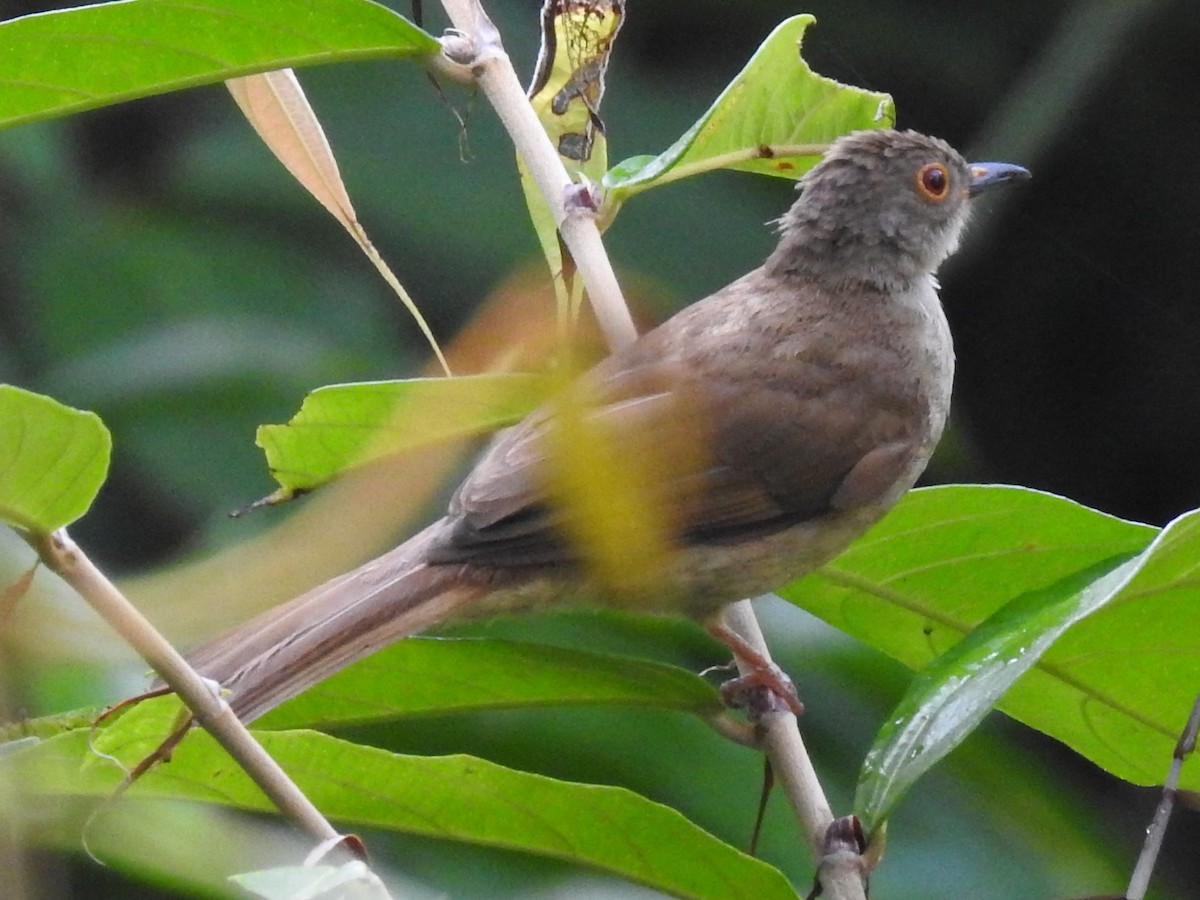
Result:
[[921, 324]]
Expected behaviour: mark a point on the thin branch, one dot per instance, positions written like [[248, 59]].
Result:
[[478, 46], [442, 66], [839, 868], [1139, 882], [842, 871], [64, 557], [782, 741]]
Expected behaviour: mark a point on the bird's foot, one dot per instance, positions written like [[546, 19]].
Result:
[[765, 688], [762, 691]]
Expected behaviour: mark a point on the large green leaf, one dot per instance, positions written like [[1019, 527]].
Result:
[[947, 558], [774, 118], [344, 425], [61, 62], [951, 696], [457, 798], [441, 675], [53, 460], [1116, 687]]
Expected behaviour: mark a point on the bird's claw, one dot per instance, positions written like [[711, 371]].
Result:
[[763, 687], [763, 690]]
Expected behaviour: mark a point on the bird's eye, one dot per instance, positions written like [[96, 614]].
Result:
[[933, 181]]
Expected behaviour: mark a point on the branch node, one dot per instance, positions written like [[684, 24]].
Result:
[[582, 199], [458, 47], [841, 860]]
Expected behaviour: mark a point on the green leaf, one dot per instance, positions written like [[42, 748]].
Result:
[[344, 425], [53, 460], [775, 118], [56, 63], [46, 726], [456, 798], [442, 675], [950, 697], [948, 559], [1118, 686]]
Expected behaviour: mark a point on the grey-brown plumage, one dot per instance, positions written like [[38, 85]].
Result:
[[777, 419]]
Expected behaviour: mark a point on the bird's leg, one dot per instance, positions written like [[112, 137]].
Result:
[[765, 687]]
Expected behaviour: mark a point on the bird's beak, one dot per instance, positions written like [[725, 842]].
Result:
[[987, 175]]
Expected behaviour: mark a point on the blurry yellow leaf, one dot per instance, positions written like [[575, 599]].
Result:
[[623, 474]]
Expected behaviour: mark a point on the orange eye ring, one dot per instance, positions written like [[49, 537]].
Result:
[[933, 182]]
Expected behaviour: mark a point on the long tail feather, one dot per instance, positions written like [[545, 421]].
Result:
[[291, 647]]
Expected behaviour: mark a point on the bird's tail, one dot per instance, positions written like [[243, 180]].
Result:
[[289, 648]]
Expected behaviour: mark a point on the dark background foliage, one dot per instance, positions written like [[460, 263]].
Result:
[[158, 266]]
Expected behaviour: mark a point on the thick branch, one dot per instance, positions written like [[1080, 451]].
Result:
[[64, 557]]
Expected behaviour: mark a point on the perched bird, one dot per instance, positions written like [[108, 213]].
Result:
[[768, 425]]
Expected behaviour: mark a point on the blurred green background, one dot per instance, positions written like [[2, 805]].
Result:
[[158, 266]]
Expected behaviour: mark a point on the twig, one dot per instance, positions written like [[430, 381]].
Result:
[[64, 557], [1140, 880]]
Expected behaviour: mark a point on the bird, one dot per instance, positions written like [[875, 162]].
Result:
[[766, 426]]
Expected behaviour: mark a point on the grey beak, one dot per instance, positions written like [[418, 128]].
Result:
[[987, 175]]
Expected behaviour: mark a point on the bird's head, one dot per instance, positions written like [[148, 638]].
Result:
[[883, 207]]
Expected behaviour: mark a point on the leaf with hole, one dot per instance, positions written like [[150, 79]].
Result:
[[775, 118]]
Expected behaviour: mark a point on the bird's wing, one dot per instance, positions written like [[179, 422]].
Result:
[[725, 456]]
